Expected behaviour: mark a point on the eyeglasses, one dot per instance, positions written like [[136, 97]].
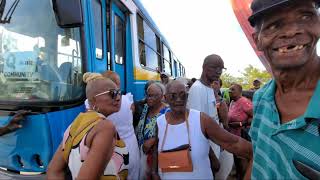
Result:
[[113, 93], [218, 69], [174, 96], [152, 96]]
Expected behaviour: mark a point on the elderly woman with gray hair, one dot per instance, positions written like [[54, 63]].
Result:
[[145, 130]]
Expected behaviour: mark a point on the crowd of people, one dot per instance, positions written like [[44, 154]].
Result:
[[192, 130]]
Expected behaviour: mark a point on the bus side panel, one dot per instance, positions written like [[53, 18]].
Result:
[[38, 139], [89, 43], [59, 122], [141, 77], [37, 143], [139, 89]]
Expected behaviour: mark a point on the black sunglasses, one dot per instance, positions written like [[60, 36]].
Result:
[[174, 96], [113, 93]]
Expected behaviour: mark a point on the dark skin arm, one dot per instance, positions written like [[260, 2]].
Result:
[[100, 140], [15, 123], [101, 143], [148, 145], [226, 140], [247, 175], [223, 114]]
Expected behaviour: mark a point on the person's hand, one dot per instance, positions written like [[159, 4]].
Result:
[[16, 120], [147, 145]]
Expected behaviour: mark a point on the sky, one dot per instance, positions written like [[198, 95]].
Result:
[[195, 29]]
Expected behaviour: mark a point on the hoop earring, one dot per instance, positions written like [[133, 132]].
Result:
[[94, 108]]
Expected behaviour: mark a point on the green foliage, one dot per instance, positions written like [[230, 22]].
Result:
[[228, 79], [249, 74]]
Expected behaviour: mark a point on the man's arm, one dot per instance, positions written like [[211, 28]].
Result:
[[223, 114], [226, 140]]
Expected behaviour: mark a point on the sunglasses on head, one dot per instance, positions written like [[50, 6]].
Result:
[[113, 93], [174, 96]]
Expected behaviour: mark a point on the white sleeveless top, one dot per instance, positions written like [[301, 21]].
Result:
[[177, 135]]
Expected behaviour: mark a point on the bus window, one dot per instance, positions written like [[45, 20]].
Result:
[[175, 68], [166, 60], [178, 69], [142, 54], [40, 62], [97, 11], [119, 40], [147, 45], [159, 53]]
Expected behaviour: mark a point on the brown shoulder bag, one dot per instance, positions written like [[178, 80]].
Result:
[[177, 159]]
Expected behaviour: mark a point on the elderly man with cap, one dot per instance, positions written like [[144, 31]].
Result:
[[285, 128]]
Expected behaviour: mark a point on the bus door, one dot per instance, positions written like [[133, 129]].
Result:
[[118, 44]]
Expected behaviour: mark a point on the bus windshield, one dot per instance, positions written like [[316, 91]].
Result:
[[39, 61]]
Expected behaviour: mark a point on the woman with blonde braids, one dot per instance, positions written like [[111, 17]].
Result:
[[91, 147]]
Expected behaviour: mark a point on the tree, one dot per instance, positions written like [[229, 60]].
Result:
[[249, 74], [228, 79]]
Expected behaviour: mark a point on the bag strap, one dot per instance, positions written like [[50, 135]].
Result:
[[146, 111], [165, 132], [78, 129]]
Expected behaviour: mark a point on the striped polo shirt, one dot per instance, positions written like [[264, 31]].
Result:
[[276, 145]]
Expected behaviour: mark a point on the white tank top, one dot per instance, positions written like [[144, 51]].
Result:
[[178, 135]]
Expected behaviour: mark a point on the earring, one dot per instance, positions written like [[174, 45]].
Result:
[[94, 108]]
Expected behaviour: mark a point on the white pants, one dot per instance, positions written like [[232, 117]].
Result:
[[215, 148], [134, 157], [226, 164]]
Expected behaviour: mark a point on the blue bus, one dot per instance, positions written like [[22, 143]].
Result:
[[45, 48]]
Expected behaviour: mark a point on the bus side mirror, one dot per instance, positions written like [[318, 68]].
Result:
[[68, 13]]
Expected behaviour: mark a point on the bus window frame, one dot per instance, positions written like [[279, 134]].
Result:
[[170, 58], [143, 42], [101, 30], [123, 40]]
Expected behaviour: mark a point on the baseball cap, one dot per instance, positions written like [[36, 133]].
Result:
[[260, 7]]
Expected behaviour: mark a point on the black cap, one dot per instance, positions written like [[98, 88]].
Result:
[[260, 7]]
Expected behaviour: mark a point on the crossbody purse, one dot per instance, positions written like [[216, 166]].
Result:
[[177, 159]]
